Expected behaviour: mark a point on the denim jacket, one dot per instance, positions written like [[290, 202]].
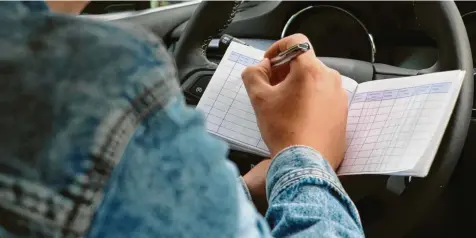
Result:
[[96, 141]]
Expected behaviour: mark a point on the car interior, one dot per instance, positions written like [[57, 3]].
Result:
[[362, 40]]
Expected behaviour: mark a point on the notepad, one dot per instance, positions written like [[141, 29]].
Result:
[[394, 126]]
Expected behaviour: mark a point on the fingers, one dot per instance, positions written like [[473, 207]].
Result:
[[256, 78], [286, 43], [302, 70], [306, 63]]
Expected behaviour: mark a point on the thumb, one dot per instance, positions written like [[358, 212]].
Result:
[[256, 78]]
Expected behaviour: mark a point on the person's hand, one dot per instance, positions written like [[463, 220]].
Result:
[[255, 180], [301, 103]]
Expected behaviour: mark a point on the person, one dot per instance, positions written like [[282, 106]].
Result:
[[97, 140]]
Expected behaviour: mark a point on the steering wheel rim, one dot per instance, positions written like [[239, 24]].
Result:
[[441, 20]]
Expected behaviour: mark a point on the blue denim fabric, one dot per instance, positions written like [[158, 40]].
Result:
[[306, 198], [96, 141]]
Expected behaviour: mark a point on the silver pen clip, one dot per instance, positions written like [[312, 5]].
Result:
[[289, 54]]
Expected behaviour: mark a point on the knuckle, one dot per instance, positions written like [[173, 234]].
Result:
[[336, 77], [344, 94], [311, 69], [294, 39], [248, 73], [299, 37], [308, 67], [264, 72], [334, 73], [253, 71], [257, 97]]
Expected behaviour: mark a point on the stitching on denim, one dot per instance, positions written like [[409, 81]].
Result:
[[67, 212], [316, 173], [108, 154], [22, 199], [301, 172], [334, 186], [293, 147], [294, 176]]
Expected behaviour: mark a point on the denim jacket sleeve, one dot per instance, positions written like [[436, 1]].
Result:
[[97, 141], [306, 198]]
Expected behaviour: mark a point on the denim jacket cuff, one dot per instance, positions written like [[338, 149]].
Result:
[[295, 163]]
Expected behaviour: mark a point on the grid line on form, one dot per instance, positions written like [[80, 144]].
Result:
[[373, 143], [232, 116], [399, 142], [228, 109], [382, 126], [219, 92], [353, 135], [359, 163], [390, 135], [389, 152], [414, 126], [407, 141]]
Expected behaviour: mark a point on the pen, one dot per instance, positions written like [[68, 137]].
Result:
[[289, 54]]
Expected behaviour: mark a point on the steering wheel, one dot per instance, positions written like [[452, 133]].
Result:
[[389, 205]]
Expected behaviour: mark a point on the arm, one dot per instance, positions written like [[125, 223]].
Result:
[[174, 181], [306, 198], [302, 103]]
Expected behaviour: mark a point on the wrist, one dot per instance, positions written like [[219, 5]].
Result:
[[280, 143], [251, 183], [334, 164], [257, 192], [293, 163]]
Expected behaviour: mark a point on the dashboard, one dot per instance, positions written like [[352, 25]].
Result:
[[376, 32], [371, 31], [334, 31]]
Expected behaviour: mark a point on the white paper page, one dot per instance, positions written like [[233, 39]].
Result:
[[423, 166], [392, 122], [226, 105], [228, 110], [350, 86]]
